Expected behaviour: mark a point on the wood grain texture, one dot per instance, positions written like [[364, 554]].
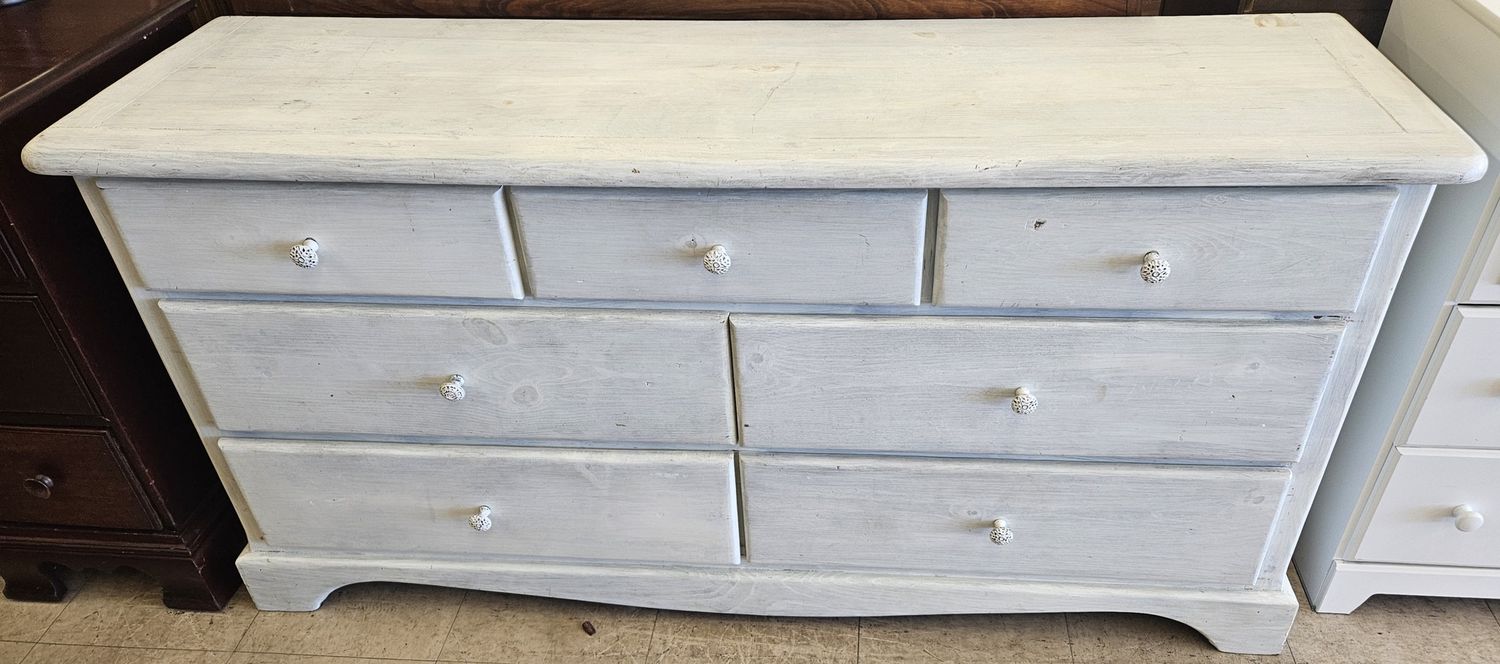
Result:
[[1129, 389], [1244, 621], [347, 369], [416, 499], [702, 9], [1458, 402], [765, 104], [92, 485], [1413, 521], [1115, 523], [1305, 249], [851, 247], [374, 239]]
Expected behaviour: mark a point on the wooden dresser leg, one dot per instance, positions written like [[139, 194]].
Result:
[[31, 580]]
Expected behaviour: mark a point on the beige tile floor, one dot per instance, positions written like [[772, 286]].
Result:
[[118, 619]]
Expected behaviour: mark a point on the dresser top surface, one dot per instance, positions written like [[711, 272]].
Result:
[[1153, 101]]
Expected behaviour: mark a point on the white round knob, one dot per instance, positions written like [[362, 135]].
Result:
[[716, 260], [305, 253], [1023, 403], [480, 520], [1001, 534], [453, 390], [1467, 518], [1154, 268]]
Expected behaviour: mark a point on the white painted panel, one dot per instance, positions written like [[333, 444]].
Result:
[[372, 239], [1163, 389], [1413, 521], [600, 504], [1305, 249], [826, 247], [1120, 523], [533, 373], [1461, 407]]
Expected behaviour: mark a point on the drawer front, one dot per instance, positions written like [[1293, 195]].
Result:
[[10, 267], [1420, 514], [1102, 388], [1486, 287], [1462, 406], [371, 239], [601, 504], [68, 477], [1260, 249], [527, 373], [36, 375], [844, 247], [1121, 523]]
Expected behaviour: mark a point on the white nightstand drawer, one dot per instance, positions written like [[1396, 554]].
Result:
[[1124, 523], [1268, 249], [383, 497], [1462, 403], [1431, 509], [1163, 389], [368, 239], [527, 373], [812, 246]]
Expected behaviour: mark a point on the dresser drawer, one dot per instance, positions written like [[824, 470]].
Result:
[[36, 375], [1462, 403], [527, 373], [602, 504], [1160, 389], [370, 239], [1122, 523], [1250, 249], [841, 247], [1420, 516], [68, 477]]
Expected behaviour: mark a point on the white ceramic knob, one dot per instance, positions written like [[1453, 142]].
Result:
[[305, 253], [1001, 533], [1467, 519], [1154, 268], [453, 390], [480, 520], [1023, 403], [716, 259]]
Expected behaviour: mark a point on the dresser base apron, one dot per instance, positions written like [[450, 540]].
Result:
[[1349, 584], [1241, 621]]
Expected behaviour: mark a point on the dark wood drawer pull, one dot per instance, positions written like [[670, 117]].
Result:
[[39, 486]]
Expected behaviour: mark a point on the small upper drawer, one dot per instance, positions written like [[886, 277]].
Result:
[[367, 239], [1252, 249], [1179, 525], [1432, 510], [834, 247], [526, 373], [36, 375], [601, 504], [1142, 389], [68, 477], [1462, 403]]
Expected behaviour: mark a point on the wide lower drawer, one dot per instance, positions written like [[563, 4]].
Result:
[[598, 504], [68, 477], [1431, 509], [526, 373], [1461, 407], [1263, 249], [1123, 523], [1141, 389], [366, 239], [816, 246]]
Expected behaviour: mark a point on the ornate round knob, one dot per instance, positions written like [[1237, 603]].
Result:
[[480, 520], [1154, 268], [305, 253], [1467, 519], [453, 390], [39, 486], [1001, 534], [716, 260], [1023, 403]]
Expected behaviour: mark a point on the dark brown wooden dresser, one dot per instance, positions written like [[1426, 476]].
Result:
[[99, 464]]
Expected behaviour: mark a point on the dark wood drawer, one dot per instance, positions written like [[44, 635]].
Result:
[[35, 373], [10, 268], [90, 484]]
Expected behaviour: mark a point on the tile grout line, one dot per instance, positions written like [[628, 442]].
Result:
[[109, 645], [1292, 652], [859, 636], [245, 634], [1068, 630], [1496, 615], [30, 647], [442, 645], [64, 607], [651, 640]]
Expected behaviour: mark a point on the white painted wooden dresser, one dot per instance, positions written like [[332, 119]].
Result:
[[1417, 467], [774, 317]]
